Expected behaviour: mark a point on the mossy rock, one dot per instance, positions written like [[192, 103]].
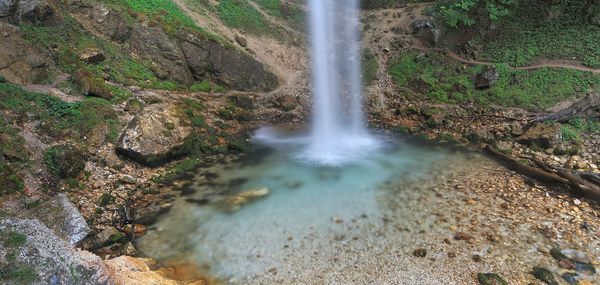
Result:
[[490, 279], [65, 161], [544, 275]]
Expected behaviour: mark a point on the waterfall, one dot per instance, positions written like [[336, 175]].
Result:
[[338, 122], [338, 133]]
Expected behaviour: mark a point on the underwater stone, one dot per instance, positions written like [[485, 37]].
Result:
[[544, 275], [490, 279]]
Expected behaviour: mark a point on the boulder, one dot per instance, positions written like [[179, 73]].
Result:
[[142, 271], [36, 12], [63, 217], [236, 201], [214, 61], [156, 135], [44, 258], [92, 56], [102, 20], [432, 36], [542, 135], [20, 62], [241, 41], [285, 102], [487, 78], [426, 30], [421, 25], [152, 43]]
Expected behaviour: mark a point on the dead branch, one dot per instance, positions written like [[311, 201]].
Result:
[[549, 174], [587, 103], [533, 172]]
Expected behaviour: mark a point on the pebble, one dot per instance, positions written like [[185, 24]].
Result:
[[128, 179], [421, 252]]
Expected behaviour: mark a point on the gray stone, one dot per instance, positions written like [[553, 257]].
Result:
[[151, 43], [102, 20], [156, 135], [541, 135], [63, 218], [54, 260], [20, 62], [211, 60], [487, 78], [241, 41], [37, 12]]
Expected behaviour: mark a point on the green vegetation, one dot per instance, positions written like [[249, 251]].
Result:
[[570, 134], [59, 119], [293, 14], [13, 271], [13, 239], [369, 66], [530, 34], [68, 39], [464, 12], [13, 157], [65, 161], [240, 14], [206, 86], [445, 80], [585, 125]]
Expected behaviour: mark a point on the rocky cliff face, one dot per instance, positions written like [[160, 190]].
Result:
[[20, 62], [183, 58]]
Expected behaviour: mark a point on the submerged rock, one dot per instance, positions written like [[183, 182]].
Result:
[[570, 278], [46, 258], [421, 252], [544, 275], [235, 201], [155, 136], [490, 279]]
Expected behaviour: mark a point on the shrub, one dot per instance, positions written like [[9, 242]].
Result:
[[65, 161]]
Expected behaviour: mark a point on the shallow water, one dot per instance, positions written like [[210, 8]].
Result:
[[305, 208]]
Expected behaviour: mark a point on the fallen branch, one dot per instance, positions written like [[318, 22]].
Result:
[[587, 103], [549, 174], [533, 172]]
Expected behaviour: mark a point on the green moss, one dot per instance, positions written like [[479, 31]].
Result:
[[18, 274], [65, 161], [206, 86], [59, 119], [570, 134], [528, 34], [241, 15], [13, 239], [68, 38], [443, 79], [105, 200]]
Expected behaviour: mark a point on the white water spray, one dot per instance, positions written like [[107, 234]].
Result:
[[338, 126], [338, 133]]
